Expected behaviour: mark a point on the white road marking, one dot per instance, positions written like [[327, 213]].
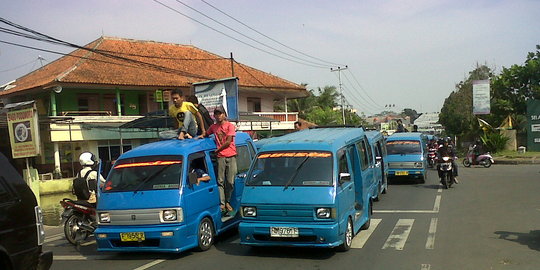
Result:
[[53, 238], [425, 266], [399, 235], [150, 264], [439, 190], [362, 237], [406, 211], [430, 243], [75, 257], [437, 204]]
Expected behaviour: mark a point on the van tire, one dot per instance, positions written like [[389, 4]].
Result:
[[368, 222], [347, 236], [205, 234]]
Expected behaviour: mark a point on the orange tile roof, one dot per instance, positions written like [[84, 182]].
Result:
[[147, 64]]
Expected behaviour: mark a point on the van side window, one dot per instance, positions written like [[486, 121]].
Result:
[[5, 193], [369, 152], [197, 163], [342, 162], [361, 148], [243, 158]]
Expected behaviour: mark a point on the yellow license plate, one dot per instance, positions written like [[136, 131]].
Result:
[[402, 173], [132, 236]]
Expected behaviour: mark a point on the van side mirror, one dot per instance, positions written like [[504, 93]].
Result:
[[344, 177], [192, 177], [241, 175], [378, 158]]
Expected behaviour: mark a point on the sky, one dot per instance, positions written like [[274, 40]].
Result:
[[409, 53]]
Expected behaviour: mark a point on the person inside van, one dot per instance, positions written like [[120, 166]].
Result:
[[224, 133], [197, 167]]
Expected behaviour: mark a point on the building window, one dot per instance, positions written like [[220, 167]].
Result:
[[83, 104], [253, 104]]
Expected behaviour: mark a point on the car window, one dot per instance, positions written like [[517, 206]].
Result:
[[361, 148], [342, 163], [197, 164], [243, 158]]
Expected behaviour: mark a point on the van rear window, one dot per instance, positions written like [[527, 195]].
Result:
[[403, 147], [292, 168], [145, 173]]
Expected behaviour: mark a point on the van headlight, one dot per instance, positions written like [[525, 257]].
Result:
[[324, 213], [249, 211], [104, 217], [418, 164], [171, 215]]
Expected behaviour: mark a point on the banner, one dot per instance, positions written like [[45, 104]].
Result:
[[481, 97], [219, 94], [23, 132], [533, 125]]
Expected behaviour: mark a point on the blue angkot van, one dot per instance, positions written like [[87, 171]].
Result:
[[407, 156], [151, 200], [378, 147], [311, 188]]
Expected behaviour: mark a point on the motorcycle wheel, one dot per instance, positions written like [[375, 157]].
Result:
[[487, 163], [466, 162], [443, 182], [449, 180], [72, 231]]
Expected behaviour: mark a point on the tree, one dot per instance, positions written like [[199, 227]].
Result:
[[412, 114]]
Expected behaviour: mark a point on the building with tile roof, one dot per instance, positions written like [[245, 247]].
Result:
[[85, 96]]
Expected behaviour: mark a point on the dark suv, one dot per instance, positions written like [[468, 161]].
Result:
[[21, 224]]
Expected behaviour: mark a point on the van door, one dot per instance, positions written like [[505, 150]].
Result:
[[367, 172], [205, 195], [345, 187], [243, 161]]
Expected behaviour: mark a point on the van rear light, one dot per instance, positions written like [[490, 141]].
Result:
[[39, 225]]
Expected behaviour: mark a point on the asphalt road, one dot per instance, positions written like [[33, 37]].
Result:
[[491, 220]]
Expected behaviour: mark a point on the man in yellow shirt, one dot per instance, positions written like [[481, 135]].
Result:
[[184, 113]]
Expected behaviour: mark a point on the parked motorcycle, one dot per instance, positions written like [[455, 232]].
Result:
[[485, 159], [445, 171], [79, 219]]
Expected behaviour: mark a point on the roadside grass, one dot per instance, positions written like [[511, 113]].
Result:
[[515, 154]]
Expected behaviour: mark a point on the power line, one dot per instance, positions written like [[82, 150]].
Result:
[[262, 34], [367, 102], [19, 66], [362, 88], [229, 36], [248, 37]]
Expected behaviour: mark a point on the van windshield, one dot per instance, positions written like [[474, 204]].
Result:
[[145, 173], [294, 168], [403, 147]]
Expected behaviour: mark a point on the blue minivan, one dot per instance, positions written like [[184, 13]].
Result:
[[378, 146], [151, 200], [407, 156], [311, 188]]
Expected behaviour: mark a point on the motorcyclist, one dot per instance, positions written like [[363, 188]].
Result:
[[88, 162], [478, 149], [446, 149]]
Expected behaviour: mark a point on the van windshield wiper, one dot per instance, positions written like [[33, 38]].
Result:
[[295, 172], [145, 180]]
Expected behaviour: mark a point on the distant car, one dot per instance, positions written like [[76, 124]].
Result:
[[21, 224]]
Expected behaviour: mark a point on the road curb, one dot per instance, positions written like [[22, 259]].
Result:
[[531, 161]]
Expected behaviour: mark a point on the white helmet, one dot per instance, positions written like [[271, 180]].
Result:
[[87, 159]]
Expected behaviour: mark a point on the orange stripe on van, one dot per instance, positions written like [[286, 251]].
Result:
[[151, 163]]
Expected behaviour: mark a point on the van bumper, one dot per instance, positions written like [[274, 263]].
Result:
[[309, 235], [108, 239], [406, 173]]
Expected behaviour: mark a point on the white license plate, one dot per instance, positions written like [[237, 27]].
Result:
[[283, 232]]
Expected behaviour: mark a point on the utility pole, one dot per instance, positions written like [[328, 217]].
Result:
[[232, 65], [339, 69]]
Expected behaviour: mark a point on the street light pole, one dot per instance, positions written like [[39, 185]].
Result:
[[339, 69]]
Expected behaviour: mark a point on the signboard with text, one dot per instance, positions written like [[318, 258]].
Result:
[[481, 97], [533, 125], [219, 94], [23, 132]]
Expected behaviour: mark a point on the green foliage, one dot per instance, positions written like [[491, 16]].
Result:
[[319, 108], [494, 141]]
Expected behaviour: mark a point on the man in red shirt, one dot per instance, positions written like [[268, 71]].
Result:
[[224, 132]]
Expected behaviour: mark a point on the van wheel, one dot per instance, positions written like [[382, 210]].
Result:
[[205, 234], [368, 222], [348, 237]]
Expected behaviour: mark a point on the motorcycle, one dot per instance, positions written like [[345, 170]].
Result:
[[79, 219], [446, 171], [485, 159], [432, 157]]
